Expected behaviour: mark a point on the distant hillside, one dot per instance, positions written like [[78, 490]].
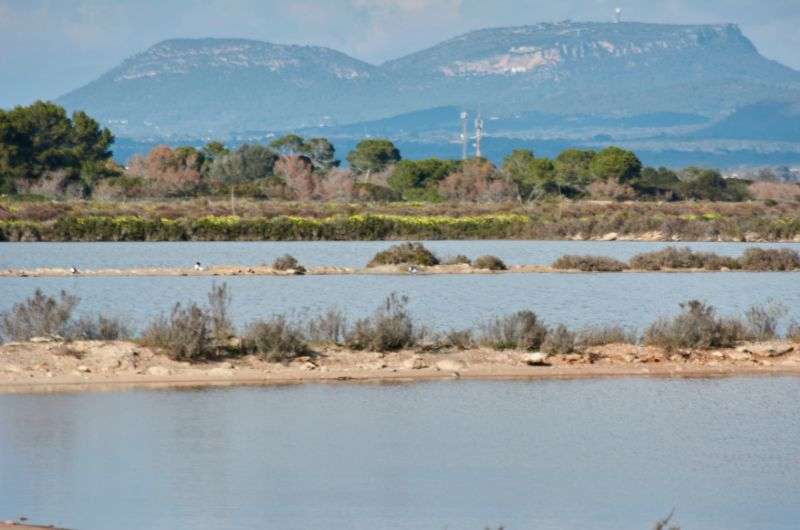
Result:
[[769, 120], [216, 86]]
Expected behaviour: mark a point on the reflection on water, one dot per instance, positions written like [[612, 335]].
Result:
[[603, 454]]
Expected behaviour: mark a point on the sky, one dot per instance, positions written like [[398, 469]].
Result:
[[49, 47]]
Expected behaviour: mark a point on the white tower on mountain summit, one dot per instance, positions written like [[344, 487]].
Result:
[[618, 15]]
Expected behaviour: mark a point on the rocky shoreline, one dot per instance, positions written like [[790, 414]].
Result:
[[45, 365]]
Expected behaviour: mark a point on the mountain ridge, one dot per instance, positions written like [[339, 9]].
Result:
[[215, 86]]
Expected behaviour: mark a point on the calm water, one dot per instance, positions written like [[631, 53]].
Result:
[[339, 253], [605, 454], [439, 301]]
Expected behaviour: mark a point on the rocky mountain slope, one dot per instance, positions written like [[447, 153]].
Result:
[[216, 86]]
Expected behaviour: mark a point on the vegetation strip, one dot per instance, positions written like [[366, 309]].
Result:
[[414, 258]]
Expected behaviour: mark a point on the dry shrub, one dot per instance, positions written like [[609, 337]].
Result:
[[298, 173], [603, 335], [682, 258], [774, 191], [329, 327], [275, 340], [460, 339], [405, 254], [100, 328], [39, 316], [476, 182], [770, 259], [390, 328], [589, 264], [288, 262], [337, 186], [611, 190], [521, 330], [492, 263], [193, 332], [698, 326], [763, 321], [793, 332], [559, 341], [184, 335], [459, 259]]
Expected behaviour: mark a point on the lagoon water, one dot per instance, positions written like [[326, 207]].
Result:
[[319, 253], [439, 301], [604, 454]]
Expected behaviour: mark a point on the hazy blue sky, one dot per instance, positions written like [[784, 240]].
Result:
[[48, 47]]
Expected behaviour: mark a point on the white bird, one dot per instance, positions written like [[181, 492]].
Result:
[[197, 266], [412, 270], [73, 270]]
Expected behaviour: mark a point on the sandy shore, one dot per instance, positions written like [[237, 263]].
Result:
[[243, 270], [96, 365]]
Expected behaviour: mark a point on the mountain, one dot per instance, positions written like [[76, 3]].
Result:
[[208, 87], [211, 86], [766, 120]]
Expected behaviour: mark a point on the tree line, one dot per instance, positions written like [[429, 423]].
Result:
[[45, 152]]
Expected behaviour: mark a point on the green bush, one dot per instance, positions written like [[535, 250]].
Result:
[[459, 259], [492, 263], [589, 264], [184, 335], [404, 254]]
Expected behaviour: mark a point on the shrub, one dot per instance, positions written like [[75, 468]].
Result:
[[184, 335], [38, 316], [762, 321], [602, 335], [460, 339], [219, 300], [697, 326], [492, 263], [793, 332], [390, 328], [681, 258], [459, 259], [328, 327], [100, 328], [275, 340], [288, 262], [589, 264], [404, 254], [521, 330], [770, 259], [559, 340]]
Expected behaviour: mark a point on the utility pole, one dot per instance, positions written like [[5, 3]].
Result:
[[478, 135], [464, 137]]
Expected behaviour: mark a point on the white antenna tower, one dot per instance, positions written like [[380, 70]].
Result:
[[478, 135], [618, 15], [464, 137]]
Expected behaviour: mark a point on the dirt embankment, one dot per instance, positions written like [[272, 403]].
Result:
[[54, 366]]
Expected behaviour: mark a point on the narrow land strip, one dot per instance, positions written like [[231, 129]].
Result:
[[115, 365]]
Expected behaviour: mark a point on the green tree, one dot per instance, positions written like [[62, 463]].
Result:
[[573, 167], [289, 145], [417, 179], [373, 155], [613, 163], [710, 185], [248, 162], [661, 182], [322, 153]]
